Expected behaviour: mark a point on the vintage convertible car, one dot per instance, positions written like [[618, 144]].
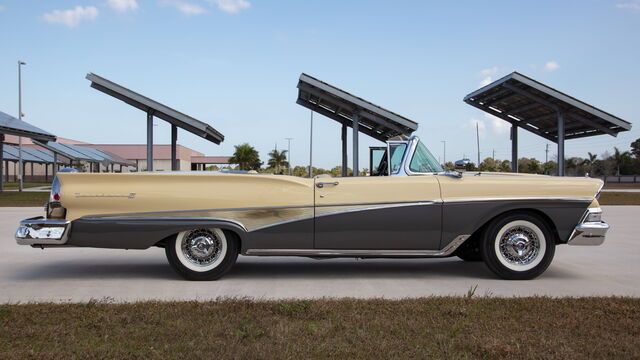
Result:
[[408, 208]]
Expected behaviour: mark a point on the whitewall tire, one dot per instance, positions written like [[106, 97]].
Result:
[[518, 246], [202, 254]]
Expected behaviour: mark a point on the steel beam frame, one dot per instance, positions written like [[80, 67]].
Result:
[[174, 151], [149, 140]]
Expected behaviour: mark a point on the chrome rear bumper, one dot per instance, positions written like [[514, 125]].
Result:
[[590, 233], [40, 231]]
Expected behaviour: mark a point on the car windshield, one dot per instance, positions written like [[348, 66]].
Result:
[[423, 161]]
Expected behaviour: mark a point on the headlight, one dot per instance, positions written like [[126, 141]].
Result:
[[594, 215]]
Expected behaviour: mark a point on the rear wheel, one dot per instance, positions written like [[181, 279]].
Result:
[[202, 254], [518, 246]]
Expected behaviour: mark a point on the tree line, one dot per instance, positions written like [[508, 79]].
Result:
[[618, 162]]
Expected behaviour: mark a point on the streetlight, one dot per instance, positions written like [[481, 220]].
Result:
[[444, 155], [289, 153], [20, 63]]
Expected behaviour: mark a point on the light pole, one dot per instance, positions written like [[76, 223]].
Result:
[[444, 155], [289, 152], [20, 167]]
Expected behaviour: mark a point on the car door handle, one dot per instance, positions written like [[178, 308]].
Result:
[[320, 185]]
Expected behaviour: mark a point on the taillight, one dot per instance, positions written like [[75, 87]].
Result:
[[55, 190]]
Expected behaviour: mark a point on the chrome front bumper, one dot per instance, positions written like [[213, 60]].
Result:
[[589, 232], [40, 231]]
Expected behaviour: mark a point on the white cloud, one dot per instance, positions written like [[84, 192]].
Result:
[[188, 9], [489, 72], [231, 6], [487, 75], [499, 126], [631, 5], [122, 5], [71, 17], [551, 66], [481, 125]]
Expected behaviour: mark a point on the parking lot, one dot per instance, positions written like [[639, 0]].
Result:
[[76, 274]]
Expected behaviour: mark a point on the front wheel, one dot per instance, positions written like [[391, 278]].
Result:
[[202, 254], [518, 246]]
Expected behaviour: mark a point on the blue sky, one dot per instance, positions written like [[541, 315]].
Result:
[[235, 65]]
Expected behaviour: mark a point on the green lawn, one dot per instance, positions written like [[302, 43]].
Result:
[[619, 198], [25, 198], [439, 327], [14, 185]]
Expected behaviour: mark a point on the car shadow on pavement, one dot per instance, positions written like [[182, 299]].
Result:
[[275, 268], [291, 268], [95, 271]]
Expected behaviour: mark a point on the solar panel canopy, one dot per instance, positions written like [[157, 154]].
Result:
[[12, 126], [342, 106], [534, 106], [83, 153], [159, 110]]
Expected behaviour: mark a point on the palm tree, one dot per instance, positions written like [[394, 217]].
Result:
[[277, 159], [620, 158], [246, 157], [590, 162]]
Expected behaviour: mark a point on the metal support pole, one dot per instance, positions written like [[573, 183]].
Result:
[[46, 172], [311, 147], [150, 140], [174, 151], [2, 162], [514, 148], [356, 131], [55, 164], [32, 177], [344, 150], [20, 182], [289, 153], [560, 144]]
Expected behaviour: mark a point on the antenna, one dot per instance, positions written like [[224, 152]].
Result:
[[478, 142]]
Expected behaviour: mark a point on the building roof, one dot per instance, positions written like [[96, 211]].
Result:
[[159, 110], [341, 106], [534, 106], [139, 151], [12, 126], [210, 159]]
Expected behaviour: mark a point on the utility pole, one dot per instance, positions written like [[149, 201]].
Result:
[[444, 152], [478, 142], [493, 156], [546, 154], [289, 153], [21, 172], [311, 147]]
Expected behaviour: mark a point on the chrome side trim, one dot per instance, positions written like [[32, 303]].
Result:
[[399, 203], [446, 251], [282, 223], [374, 207], [106, 219], [531, 198], [202, 210]]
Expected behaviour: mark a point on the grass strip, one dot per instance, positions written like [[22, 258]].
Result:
[[22, 199], [619, 198], [25, 185], [438, 327]]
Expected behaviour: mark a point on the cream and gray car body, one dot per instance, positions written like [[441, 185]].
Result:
[[417, 211]]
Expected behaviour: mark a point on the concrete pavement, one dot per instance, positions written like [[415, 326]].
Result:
[[78, 275]]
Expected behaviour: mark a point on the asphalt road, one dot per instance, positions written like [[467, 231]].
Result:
[[78, 275]]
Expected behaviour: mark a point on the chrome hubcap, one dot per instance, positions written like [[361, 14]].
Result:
[[520, 245], [201, 247]]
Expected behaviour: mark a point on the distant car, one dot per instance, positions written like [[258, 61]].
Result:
[[461, 164], [408, 208]]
